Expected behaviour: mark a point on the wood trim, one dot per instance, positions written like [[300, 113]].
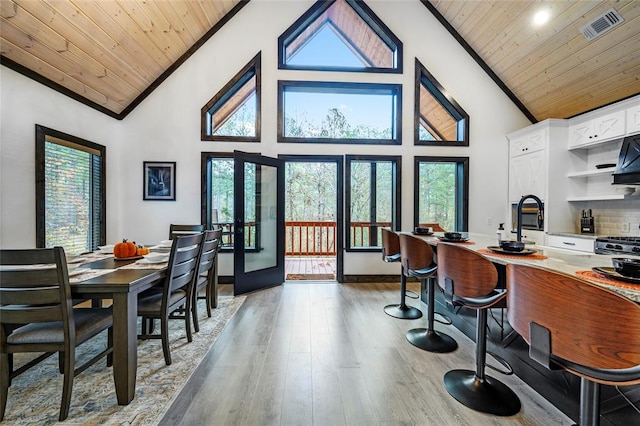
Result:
[[479, 60], [119, 116]]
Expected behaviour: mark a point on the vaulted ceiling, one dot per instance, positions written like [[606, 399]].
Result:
[[110, 54]]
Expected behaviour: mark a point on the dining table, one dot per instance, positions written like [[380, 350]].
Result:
[[104, 277]]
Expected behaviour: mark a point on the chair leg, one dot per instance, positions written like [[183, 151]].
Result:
[[194, 311], [164, 331], [403, 311], [476, 390], [110, 345], [67, 385], [5, 372], [208, 298], [589, 403], [428, 338], [187, 318]]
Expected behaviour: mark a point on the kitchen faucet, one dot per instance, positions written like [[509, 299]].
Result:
[[540, 213]]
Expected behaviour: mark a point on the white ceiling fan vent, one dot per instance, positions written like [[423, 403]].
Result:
[[601, 24]]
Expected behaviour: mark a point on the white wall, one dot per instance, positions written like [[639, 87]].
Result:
[[166, 126]]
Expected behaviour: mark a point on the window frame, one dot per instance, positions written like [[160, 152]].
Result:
[[396, 204], [42, 134], [254, 66], [365, 13], [205, 189], [461, 194], [327, 86], [443, 97]]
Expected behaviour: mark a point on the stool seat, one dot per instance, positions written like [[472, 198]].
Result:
[[469, 279], [391, 253], [571, 324], [417, 262]]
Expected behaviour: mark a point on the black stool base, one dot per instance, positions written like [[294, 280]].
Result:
[[431, 341], [488, 396], [403, 312]]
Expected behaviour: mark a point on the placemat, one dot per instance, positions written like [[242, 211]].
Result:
[[469, 242], [602, 279], [83, 274], [138, 265], [533, 256]]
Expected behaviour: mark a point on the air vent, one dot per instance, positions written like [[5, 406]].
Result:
[[601, 24]]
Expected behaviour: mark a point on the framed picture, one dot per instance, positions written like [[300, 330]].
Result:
[[159, 180]]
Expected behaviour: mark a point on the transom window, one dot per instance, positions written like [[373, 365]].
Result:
[[233, 114], [442, 192], [373, 190], [340, 35], [318, 111], [439, 120], [70, 192]]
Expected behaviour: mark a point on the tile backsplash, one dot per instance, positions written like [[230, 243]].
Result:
[[612, 218]]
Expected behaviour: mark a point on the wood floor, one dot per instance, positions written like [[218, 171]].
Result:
[[324, 353], [305, 265]]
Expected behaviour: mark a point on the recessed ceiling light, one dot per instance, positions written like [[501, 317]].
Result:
[[541, 17]]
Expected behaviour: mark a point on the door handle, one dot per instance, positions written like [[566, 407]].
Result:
[[239, 226]]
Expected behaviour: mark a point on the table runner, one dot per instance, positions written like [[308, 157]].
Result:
[[138, 265], [533, 256], [83, 274], [457, 242]]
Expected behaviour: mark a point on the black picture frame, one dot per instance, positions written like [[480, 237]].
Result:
[[159, 180]]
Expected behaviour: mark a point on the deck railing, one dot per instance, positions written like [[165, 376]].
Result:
[[312, 238]]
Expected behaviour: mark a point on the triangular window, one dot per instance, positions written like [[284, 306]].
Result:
[[340, 35], [439, 120], [233, 114]]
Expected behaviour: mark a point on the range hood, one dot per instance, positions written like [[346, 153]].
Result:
[[628, 166]]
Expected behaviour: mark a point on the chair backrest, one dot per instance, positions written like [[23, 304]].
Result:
[[182, 267], [415, 253], [588, 325], [34, 287], [390, 243], [182, 230], [472, 274], [211, 241]]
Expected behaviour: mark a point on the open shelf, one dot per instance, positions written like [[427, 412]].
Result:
[[593, 172], [602, 197]]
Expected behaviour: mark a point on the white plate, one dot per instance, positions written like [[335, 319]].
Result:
[[165, 243], [106, 249], [152, 261], [77, 271], [157, 256], [76, 260]]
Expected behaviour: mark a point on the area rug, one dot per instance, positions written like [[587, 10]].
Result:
[[34, 396]]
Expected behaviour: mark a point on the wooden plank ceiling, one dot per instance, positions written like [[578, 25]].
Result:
[[112, 53]]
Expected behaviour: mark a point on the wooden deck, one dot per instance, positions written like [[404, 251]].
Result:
[[310, 268]]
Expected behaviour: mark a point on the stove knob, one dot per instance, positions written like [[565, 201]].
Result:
[[609, 246], [636, 249], [618, 247]]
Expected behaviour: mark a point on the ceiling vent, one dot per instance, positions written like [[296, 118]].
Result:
[[601, 24]]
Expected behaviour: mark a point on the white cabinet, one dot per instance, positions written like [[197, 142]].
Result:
[[633, 119], [571, 243], [538, 165], [598, 129], [528, 175]]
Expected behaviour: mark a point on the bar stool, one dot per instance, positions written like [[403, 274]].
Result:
[[391, 253], [417, 262], [576, 326], [469, 279]]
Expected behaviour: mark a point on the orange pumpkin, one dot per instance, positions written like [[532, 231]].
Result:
[[124, 249], [141, 250]]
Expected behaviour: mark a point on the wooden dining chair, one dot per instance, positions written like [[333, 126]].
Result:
[[36, 315], [176, 294], [469, 279], [207, 278], [573, 325], [176, 230]]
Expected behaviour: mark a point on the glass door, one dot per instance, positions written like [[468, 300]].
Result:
[[259, 222]]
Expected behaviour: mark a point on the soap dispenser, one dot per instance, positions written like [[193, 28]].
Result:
[[500, 233]]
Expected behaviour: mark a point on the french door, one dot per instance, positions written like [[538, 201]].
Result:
[[259, 222]]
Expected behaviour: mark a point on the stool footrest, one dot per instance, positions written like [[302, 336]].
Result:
[[507, 371], [445, 319], [411, 294]]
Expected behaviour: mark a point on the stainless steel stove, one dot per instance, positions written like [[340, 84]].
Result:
[[618, 245]]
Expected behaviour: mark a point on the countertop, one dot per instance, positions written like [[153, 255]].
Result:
[[560, 260]]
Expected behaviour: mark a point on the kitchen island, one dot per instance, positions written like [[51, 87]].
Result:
[[560, 388]]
